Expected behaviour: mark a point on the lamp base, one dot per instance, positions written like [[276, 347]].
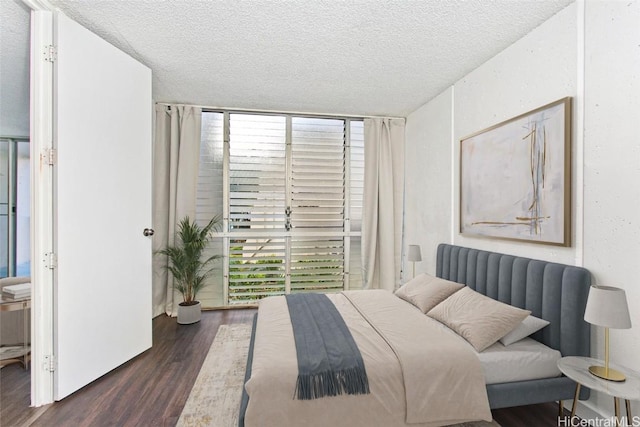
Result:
[[611, 375]]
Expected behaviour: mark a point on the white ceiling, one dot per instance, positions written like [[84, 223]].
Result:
[[359, 57]]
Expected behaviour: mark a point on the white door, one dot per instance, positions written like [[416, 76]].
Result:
[[102, 181]]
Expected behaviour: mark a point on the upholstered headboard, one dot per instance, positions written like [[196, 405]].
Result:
[[554, 292]]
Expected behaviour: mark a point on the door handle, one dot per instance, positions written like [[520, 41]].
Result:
[[148, 232]]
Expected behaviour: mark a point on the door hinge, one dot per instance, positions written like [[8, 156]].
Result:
[[50, 363], [50, 53], [51, 260], [50, 156]]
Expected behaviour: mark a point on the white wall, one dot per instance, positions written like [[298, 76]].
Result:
[[538, 69], [589, 51], [612, 166], [428, 198]]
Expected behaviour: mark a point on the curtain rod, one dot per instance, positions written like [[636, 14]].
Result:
[[251, 110]]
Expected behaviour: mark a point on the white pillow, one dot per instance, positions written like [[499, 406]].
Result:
[[528, 326]]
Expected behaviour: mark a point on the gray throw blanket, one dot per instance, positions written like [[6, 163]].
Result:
[[329, 361]]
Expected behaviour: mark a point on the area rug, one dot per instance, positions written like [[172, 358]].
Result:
[[215, 397]]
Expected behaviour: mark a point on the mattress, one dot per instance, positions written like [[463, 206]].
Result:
[[524, 360]]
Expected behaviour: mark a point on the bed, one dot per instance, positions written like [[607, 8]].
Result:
[[401, 394], [555, 292]]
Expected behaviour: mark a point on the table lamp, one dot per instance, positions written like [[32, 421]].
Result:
[[607, 307], [414, 255]]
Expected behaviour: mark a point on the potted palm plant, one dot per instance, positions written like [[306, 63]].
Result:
[[188, 265]]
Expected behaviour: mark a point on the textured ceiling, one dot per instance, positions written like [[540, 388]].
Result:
[[361, 57]]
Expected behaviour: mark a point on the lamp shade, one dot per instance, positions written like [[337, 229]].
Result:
[[414, 254], [607, 307]]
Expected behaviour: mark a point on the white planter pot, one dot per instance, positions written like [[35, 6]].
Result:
[[188, 314]]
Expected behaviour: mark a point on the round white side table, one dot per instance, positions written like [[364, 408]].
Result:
[[577, 368]]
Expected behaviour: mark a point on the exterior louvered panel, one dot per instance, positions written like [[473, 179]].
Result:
[[257, 171], [208, 200], [356, 192], [356, 185], [211, 170], [317, 264], [317, 174]]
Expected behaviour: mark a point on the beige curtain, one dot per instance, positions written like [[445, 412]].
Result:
[[383, 202], [176, 154]]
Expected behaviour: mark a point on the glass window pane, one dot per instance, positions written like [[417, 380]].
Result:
[[23, 215], [209, 200], [357, 174], [257, 168], [4, 208], [317, 174]]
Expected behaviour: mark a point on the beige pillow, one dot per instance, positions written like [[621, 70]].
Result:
[[425, 292], [477, 318]]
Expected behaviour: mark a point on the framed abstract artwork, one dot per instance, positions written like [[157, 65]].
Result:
[[515, 178]]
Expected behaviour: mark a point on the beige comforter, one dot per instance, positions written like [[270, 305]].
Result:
[[420, 373]]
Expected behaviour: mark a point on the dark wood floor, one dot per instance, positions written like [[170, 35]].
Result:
[[152, 389]]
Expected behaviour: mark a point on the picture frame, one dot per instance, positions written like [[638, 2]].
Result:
[[515, 178]]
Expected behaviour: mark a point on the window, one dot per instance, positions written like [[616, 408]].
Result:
[[290, 191], [15, 255]]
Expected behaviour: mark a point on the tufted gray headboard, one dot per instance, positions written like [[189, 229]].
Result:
[[554, 292]]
